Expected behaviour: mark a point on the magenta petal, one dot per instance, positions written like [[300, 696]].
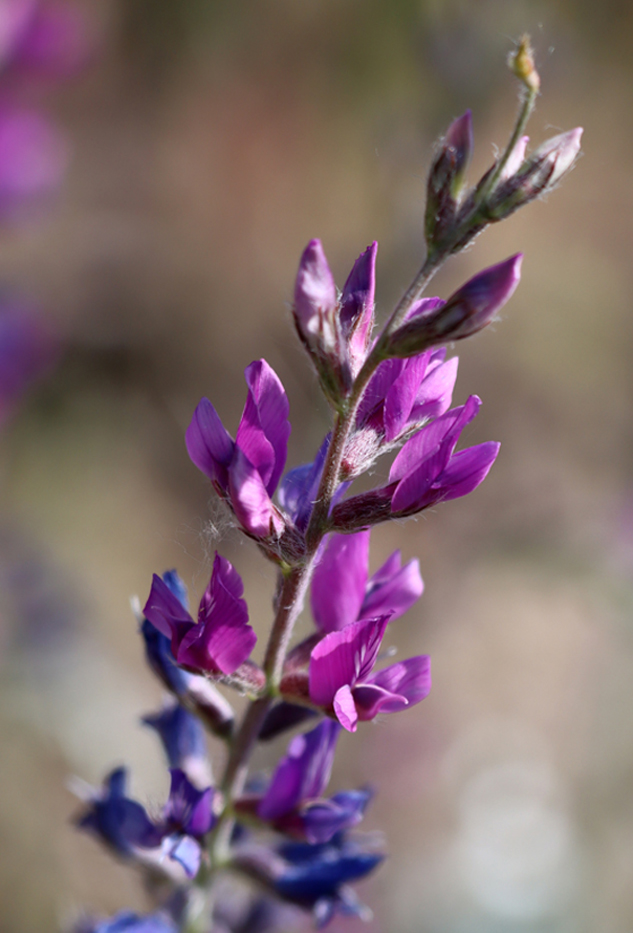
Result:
[[223, 639], [370, 699], [410, 679], [250, 500], [344, 657], [33, 158], [339, 581], [209, 444], [315, 290], [377, 388], [164, 610], [395, 594], [357, 302], [436, 391], [440, 435], [304, 771], [264, 427], [402, 395], [345, 708], [423, 307], [467, 469]]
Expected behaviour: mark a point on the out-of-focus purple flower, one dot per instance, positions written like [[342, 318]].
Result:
[[400, 397], [222, 639], [293, 802], [27, 351], [524, 179], [183, 738], [336, 332], [33, 159], [299, 487], [317, 876], [425, 472], [245, 472], [128, 922], [52, 40], [121, 823], [342, 682], [124, 826], [467, 311], [342, 591]]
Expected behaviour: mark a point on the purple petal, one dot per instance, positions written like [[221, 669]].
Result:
[[165, 611], [459, 138], [264, 427], [56, 43], [209, 444], [410, 679], [357, 302], [467, 469], [477, 302], [377, 388], [250, 499], [185, 851], [402, 394], [303, 773], [441, 435], [345, 708], [516, 160], [393, 595], [339, 581], [299, 487], [315, 290], [423, 307], [342, 658], [188, 809], [223, 639], [371, 699], [324, 818], [436, 391]]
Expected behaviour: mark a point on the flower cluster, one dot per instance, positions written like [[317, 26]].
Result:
[[391, 392]]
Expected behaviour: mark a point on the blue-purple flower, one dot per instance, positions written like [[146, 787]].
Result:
[[183, 739], [293, 803], [221, 640], [343, 682], [342, 591], [128, 922], [245, 472], [125, 827]]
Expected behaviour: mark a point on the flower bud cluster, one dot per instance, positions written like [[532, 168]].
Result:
[[391, 392]]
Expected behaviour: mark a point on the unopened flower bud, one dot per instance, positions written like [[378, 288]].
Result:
[[317, 318], [467, 311], [446, 177], [522, 64], [536, 175]]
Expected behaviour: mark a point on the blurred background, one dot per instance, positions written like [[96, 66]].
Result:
[[173, 157]]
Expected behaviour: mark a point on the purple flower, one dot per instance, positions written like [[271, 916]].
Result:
[[33, 159], [425, 472], [27, 351], [125, 827], [222, 639], [467, 311], [318, 876], [183, 739], [342, 591], [293, 803], [400, 397], [342, 681], [49, 39], [121, 823], [336, 332], [245, 472], [446, 178]]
